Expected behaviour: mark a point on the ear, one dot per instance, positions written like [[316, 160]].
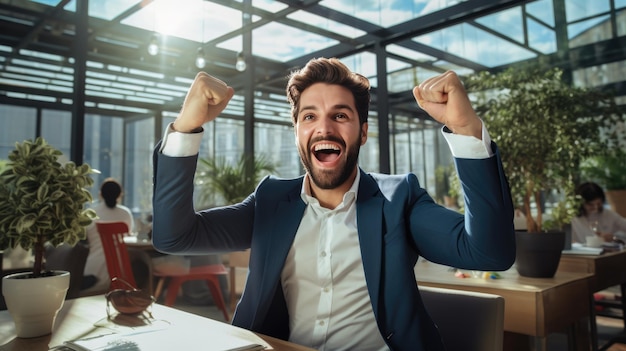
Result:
[[364, 127]]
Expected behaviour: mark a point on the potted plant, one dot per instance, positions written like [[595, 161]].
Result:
[[232, 182], [41, 201], [544, 128]]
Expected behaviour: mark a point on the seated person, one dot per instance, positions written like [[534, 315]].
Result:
[[594, 219], [108, 209]]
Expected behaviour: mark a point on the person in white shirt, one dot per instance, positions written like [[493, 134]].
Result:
[[109, 209], [333, 251], [593, 219]]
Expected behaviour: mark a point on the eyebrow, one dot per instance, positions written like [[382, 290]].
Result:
[[335, 107]]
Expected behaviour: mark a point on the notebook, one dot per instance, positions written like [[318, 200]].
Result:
[[169, 339]]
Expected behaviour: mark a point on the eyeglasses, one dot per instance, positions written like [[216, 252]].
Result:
[[131, 301]]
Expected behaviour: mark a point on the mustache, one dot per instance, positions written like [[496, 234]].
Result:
[[326, 138]]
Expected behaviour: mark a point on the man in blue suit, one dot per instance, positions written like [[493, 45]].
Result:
[[333, 251]]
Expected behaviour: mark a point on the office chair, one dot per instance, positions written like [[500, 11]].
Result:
[[466, 320]]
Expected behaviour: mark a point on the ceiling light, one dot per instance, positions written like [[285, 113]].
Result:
[[200, 59], [153, 47], [240, 65]]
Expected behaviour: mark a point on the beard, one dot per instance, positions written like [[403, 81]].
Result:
[[331, 178]]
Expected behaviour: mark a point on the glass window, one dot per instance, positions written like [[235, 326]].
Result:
[[56, 128], [23, 122], [104, 150], [138, 166], [578, 9], [590, 31], [277, 142], [369, 155]]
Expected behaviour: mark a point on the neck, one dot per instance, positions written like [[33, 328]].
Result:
[[331, 198]]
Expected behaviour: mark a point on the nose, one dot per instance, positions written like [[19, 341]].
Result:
[[324, 126]]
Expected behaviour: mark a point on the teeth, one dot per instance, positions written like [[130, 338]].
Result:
[[326, 147]]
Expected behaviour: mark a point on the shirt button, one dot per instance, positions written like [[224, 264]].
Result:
[[326, 289], [321, 322], [323, 254]]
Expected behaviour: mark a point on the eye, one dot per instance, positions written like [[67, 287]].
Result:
[[307, 116], [341, 116]]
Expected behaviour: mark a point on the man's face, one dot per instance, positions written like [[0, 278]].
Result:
[[328, 134]]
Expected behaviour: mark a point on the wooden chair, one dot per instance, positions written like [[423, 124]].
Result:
[[209, 273], [116, 254]]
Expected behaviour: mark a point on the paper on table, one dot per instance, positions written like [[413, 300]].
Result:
[[171, 339], [579, 249]]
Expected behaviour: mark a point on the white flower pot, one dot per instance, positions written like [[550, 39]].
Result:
[[34, 302]]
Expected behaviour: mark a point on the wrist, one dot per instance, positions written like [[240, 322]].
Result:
[[179, 127]]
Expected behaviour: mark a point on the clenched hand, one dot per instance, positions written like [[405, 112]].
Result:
[[444, 98], [206, 99]]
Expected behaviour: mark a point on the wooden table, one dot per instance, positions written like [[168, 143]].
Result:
[[138, 243], [535, 307], [78, 318], [608, 270]]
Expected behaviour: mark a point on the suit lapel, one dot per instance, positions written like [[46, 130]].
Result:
[[283, 228], [370, 225]]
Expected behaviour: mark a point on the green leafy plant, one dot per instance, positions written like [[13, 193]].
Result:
[[233, 182], [42, 200], [609, 171], [544, 128]]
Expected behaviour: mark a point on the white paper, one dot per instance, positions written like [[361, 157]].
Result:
[[172, 339]]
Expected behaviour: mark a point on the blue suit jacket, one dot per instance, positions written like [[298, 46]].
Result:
[[397, 222]]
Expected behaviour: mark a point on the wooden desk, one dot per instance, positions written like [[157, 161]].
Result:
[[607, 269], [534, 307], [137, 243], [77, 317]]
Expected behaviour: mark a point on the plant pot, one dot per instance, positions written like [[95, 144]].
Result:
[[34, 302], [538, 254]]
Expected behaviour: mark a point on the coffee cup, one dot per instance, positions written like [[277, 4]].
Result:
[[593, 241]]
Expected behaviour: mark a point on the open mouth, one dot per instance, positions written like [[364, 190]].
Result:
[[326, 152]]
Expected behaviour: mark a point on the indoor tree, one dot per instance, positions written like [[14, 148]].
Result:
[[544, 128]]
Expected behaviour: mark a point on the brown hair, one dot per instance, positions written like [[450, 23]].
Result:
[[330, 71]]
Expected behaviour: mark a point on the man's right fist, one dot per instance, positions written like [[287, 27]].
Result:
[[206, 99]]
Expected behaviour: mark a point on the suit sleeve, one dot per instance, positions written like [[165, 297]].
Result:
[[178, 228]]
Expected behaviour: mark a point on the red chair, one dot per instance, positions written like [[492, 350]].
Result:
[[209, 273], [116, 254], [118, 264]]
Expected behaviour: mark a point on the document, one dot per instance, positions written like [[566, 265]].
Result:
[[169, 339], [578, 249]]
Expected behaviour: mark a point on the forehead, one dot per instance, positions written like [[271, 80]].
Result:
[[323, 94]]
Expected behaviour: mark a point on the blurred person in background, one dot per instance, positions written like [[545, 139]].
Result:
[[594, 219]]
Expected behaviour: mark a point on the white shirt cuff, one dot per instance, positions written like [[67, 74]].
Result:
[[465, 146], [177, 144]]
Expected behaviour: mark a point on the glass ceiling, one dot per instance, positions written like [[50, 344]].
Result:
[[420, 38]]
